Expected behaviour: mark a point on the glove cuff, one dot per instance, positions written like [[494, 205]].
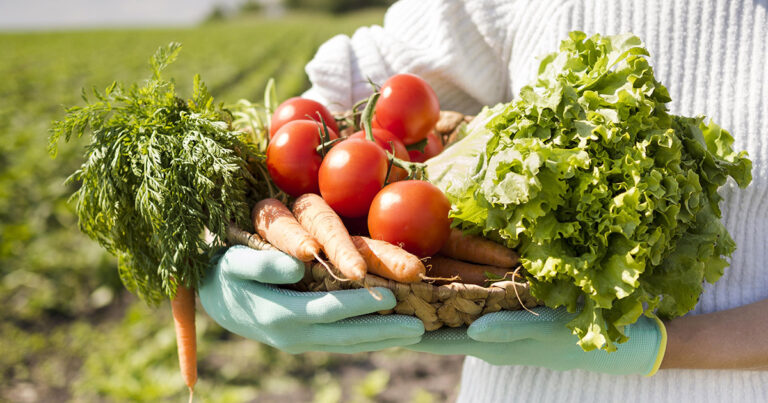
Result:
[[662, 348], [640, 355]]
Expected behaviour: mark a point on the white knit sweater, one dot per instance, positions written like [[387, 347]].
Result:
[[712, 56]]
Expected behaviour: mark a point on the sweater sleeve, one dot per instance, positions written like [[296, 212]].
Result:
[[459, 47]]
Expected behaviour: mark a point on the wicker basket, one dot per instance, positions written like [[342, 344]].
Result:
[[452, 305]]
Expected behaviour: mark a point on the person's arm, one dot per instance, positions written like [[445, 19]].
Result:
[[732, 339]]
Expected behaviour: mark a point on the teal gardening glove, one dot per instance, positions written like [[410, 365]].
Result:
[[522, 338], [237, 293]]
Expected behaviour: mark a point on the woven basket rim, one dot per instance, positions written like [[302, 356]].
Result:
[[454, 304], [254, 241]]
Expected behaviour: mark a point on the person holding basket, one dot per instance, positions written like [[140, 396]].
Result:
[[711, 57]]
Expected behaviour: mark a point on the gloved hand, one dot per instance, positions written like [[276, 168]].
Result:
[[237, 294], [521, 338]]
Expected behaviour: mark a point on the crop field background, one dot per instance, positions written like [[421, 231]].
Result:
[[68, 329]]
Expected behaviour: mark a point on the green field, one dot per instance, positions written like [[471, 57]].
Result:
[[69, 331]]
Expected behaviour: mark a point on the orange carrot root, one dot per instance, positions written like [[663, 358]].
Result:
[[275, 223], [319, 219], [389, 261], [476, 249], [183, 310], [468, 273]]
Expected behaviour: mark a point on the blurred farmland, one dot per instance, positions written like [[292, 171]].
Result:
[[68, 330]]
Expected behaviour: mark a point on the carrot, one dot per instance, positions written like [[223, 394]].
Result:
[[319, 219], [275, 223], [476, 249], [469, 273], [389, 261], [183, 310]]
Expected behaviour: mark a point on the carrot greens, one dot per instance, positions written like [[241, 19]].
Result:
[[158, 171]]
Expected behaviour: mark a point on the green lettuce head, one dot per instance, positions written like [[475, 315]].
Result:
[[610, 200]]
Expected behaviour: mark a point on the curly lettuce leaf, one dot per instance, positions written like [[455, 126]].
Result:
[[610, 200]]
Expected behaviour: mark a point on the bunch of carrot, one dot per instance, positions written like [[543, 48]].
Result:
[[313, 227]]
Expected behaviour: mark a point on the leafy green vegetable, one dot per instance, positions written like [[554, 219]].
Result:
[[611, 201], [158, 172]]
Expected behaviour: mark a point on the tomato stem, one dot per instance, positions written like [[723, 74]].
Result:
[[325, 135], [367, 115], [416, 170], [390, 162], [358, 104], [376, 87], [327, 144]]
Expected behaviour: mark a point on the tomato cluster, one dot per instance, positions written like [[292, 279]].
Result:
[[351, 174]]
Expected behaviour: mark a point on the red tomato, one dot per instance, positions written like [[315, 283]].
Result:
[[383, 137], [300, 109], [412, 214], [434, 146], [408, 107], [292, 159], [350, 176]]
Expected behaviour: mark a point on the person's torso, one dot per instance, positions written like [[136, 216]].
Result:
[[713, 58]]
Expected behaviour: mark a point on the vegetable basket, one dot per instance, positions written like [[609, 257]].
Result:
[[453, 305]]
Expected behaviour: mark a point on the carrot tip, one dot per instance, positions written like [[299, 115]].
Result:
[[433, 279], [518, 295], [328, 268]]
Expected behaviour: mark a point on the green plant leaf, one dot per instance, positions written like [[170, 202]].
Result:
[[610, 200], [158, 172]]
